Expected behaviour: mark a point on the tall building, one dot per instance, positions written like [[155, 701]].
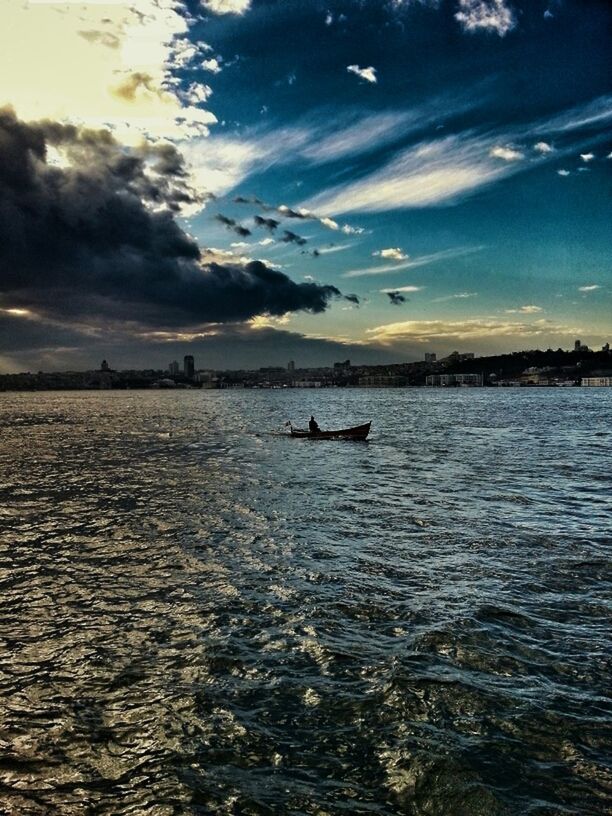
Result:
[[291, 366], [430, 357], [173, 369], [188, 366], [577, 345], [105, 366]]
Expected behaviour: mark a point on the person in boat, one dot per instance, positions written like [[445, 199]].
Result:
[[313, 427]]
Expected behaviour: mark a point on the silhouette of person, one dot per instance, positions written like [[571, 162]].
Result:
[[312, 425]]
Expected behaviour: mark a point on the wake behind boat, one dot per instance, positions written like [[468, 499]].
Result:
[[358, 432]]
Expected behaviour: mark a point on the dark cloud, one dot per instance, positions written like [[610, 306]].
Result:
[[269, 223], [289, 213], [233, 225], [396, 298], [101, 38], [98, 239], [291, 238], [352, 299], [250, 200]]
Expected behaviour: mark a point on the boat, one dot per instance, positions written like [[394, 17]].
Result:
[[358, 432]]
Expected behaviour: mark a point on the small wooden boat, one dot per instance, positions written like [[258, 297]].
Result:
[[358, 432]]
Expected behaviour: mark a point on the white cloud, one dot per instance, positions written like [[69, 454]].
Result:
[[329, 223], [226, 6], [329, 19], [587, 157], [563, 173], [506, 153], [494, 16], [212, 65], [395, 253], [422, 260], [543, 148], [124, 57], [266, 241], [348, 230], [197, 93], [525, 310], [591, 288], [423, 331], [402, 289], [368, 74]]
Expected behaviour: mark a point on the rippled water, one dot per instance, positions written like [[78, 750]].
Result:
[[199, 616]]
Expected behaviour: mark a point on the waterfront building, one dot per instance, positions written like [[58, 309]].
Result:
[[343, 366], [174, 369], [188, 366], [291, 365], [445, 380], [596, 381]]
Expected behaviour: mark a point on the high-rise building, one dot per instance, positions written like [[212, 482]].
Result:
[[290, 366], [188, 366], [577, 345], [105, 366], [173, 369], [430, 357]]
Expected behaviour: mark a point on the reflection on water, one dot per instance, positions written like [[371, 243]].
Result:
[[199, 616]]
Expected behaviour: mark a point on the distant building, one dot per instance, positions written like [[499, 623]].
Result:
[[105, 366], [188, 366], [445, 380], [291, 365], [455, 357], [430, 357], [579, 347], [174, 369], [343, 366], [606, 347], [596, 381]]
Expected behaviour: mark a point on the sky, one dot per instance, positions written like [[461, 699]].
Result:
[[258, 181]]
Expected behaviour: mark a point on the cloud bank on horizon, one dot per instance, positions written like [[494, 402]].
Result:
[[161, 150]]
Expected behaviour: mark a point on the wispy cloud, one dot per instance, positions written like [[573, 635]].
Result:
[[456, 296], [442, 171], [424, 331], [413, 263], [591, 288], [369, 74]]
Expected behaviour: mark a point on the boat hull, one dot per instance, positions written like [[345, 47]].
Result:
[[359, 432]]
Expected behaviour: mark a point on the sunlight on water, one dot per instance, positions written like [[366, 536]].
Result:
[[201, 615]]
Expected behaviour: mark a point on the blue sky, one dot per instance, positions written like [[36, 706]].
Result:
[[448, 163]]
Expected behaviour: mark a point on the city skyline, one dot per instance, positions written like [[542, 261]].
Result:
[[380, 181]]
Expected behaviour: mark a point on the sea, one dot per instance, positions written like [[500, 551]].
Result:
[[202, 615]]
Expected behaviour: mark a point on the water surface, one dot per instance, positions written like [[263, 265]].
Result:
[[200, 615]]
